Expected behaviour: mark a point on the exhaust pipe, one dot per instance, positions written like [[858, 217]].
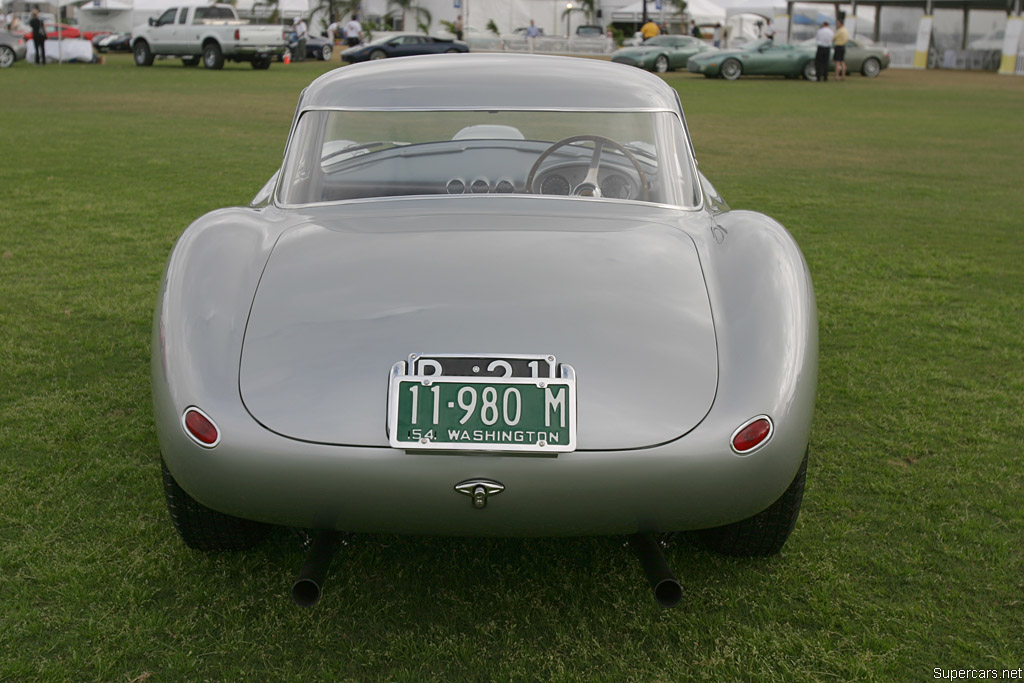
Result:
[[667, 590], [307, 589]]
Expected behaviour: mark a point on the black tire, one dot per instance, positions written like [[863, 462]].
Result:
[[143, 55], [213, 58], [190, 61], [378, 54], [766, 532], [660, 64], [204, 529], [871, 67], [261, 63], [810, 72], [7, 57], [325, 53], [451, 51], [731, 69]]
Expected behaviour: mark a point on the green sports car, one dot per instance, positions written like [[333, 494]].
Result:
[[860, 58], [767, 58], [662, 53]]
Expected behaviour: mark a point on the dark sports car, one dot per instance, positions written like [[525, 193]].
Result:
[[317, 48], [402, 45]]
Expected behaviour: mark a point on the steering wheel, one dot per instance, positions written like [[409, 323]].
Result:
[[589, 187]]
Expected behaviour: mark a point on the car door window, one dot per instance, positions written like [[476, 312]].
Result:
[[182, 15], [167, 17]]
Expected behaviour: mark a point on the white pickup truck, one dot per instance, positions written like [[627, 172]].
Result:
[[211, 32]]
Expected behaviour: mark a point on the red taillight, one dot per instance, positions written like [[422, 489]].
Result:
[[201, 428], [752, 434], [238, 34]]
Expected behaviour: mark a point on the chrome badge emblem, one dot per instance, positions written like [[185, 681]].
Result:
[[479, 490]]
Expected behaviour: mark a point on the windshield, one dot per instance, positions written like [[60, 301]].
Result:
[[341, 155]]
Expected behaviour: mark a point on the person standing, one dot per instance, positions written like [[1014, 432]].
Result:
[[301, 31], [458, 27], [824, 41], [717, 39], [769, 30], [334, 32], [531, 35], [695, 30], [649, 30], [842, 37], [38, 36], [353, 31]]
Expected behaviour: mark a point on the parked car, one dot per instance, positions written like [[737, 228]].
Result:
[[402, 45], [113, 42], [213, 33], [64, 31], [662, 53], [317, 48], [486, 296], [861, 57], [765, 57], [761, 57], [12, 48]]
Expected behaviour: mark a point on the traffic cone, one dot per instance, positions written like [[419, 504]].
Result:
[[287, 57]]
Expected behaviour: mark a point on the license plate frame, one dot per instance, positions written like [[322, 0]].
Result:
[[440, 400]]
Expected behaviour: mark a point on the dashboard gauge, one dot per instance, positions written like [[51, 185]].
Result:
[[456, 186], [480, 186], [615, 187], [555, 184], [504, 187]]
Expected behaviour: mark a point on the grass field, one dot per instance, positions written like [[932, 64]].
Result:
[[904, 193]]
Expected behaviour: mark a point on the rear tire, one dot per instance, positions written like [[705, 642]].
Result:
[[810, 72], [731, 69], [378, 54], [325, 53], [213, 58], [766, 532], [204, 529], [143, 55], [661, 64]]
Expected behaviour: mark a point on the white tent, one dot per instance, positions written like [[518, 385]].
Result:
[[105, 15], [701, 11], [765, 8]]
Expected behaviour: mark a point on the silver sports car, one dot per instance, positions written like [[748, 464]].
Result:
[[486, 295]]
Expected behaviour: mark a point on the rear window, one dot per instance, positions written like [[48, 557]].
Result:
[[205, 13]]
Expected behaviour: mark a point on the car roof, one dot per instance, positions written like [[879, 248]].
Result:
[[456, 81]]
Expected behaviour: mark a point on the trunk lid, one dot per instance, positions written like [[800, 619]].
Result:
[[620, 298]]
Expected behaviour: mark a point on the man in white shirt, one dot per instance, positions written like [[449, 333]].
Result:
[[824, 41], [353, 32], [301, 31], [335, 32]]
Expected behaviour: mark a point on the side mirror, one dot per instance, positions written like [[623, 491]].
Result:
[[152, 21]]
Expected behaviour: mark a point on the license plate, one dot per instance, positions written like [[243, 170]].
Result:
[[507, 414], [505, 365]]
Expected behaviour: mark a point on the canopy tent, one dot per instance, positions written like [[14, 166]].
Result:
[[106, 15], [701, 11]]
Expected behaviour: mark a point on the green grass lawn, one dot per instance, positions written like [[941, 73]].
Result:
[[904, 193]]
